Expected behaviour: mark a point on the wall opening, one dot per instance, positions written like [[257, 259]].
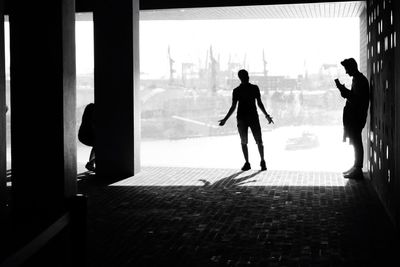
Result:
[[189, 62], [84, 78]]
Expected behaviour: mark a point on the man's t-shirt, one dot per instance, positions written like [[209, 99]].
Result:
[[246, 95]]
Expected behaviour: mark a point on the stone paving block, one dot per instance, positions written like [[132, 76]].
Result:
[[211, 217]]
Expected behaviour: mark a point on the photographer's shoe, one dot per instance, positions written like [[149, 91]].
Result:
[[246, 166], [263, 166]]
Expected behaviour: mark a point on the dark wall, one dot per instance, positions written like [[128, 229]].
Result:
[[396, 193], [383, 64]]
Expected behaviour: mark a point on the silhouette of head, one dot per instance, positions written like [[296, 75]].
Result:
[[350, 65], [243, 76]]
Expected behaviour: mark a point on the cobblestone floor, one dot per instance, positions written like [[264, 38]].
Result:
[[222, 217]]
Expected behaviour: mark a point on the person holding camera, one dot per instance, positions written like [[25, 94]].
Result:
[[247, 95], [354, 114]]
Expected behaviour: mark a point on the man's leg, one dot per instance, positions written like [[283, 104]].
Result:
[[243, 132], [262, 162], [92, 155], [257, 134], [358, 150], [90, 164], [261, 151], [356, 141], [245, 152]]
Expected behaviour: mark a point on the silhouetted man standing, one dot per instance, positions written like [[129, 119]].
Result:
[[247, 94], [354, 114]]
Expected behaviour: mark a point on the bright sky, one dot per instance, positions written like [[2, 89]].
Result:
[[289, 44]]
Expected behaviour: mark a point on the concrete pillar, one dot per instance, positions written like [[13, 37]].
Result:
[[116, 76], [3, 144], [43, 99]]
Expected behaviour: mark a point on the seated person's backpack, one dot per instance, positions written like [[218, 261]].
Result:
[[86, 130]]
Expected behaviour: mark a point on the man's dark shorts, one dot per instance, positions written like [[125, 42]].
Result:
[[243, 127]]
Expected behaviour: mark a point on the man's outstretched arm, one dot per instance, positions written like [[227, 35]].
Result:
[[231, 110], [261, 106]]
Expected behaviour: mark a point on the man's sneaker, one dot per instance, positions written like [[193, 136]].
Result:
[[263, 166], [355, 174], [246, 167], [90, 166]]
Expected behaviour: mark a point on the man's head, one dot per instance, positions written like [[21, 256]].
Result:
[[350, 65], [243, 76]]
